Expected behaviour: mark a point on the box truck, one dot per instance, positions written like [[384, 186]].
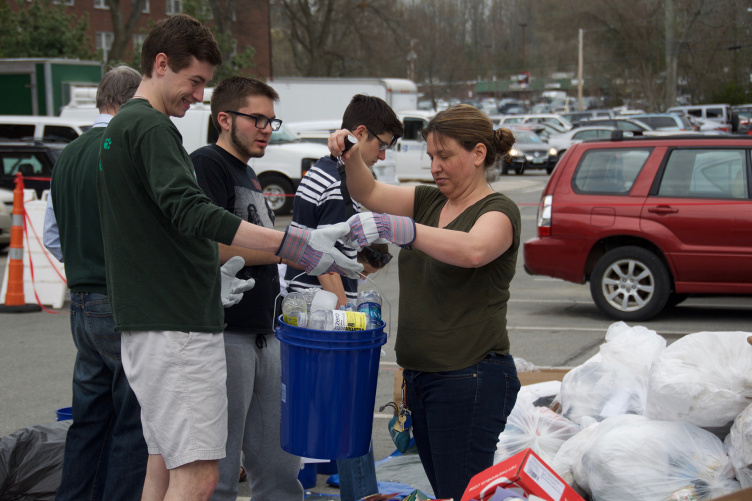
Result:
[[309, 99], [42, 86]]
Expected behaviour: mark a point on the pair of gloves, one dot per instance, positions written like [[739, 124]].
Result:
[[315, 251]]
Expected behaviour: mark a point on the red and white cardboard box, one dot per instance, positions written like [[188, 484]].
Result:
[[524, 470]]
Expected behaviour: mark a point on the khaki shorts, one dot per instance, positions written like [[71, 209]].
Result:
[[180, 380]]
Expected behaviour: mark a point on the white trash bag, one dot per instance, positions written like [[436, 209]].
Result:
[[523, 365], [636, 347], [597, 391], [569, 454], [537, 428], [703, 378], [738, 445], [592, 433], [646, 459], [615, 381]]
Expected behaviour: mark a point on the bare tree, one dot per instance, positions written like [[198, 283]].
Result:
[[123, 25], [340, 37]]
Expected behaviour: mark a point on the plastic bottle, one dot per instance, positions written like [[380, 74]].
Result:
[[293, 305], [333, 320], [308, 295], [369, 302]]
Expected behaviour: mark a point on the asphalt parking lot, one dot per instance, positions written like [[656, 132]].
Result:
[[551, 323]]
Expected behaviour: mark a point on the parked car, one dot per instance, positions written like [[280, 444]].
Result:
[[665, 121], [529, 152], [5, 222], [576, 116], [648, 221], [708, 126], [543, 131], [507, 104], [33, 159], [625, 124], [550, 118], [24, 127], [718, 112], [507, 120], [564, 140], [743, 118]]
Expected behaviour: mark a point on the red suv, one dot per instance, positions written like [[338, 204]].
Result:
[[648, 221]]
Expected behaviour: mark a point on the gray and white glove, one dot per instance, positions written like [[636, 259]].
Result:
[[370, 227], [233, 287], [315, 251]]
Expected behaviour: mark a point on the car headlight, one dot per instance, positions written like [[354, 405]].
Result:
[[513, 152], [552, 152]]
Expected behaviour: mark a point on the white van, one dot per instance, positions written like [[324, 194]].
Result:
[[717, 112], [64, 129], [408, 157], [280, 170]]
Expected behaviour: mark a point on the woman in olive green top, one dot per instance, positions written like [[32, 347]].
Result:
[[460, 256]]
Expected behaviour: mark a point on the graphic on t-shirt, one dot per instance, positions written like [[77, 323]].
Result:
[[251, 206]]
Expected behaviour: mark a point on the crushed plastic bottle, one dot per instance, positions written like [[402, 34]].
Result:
[[333, 320], [292, 305]]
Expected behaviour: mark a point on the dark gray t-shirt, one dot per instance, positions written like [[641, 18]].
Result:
[[452, 317]]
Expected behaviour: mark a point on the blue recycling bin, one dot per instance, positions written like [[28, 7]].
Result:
[[328, 390]]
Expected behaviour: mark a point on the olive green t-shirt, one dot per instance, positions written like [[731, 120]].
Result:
[[451, 317], [159, 229]]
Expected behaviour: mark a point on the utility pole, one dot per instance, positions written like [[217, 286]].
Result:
[[671, 54], [411, 57], [523, 45], [580, 60]]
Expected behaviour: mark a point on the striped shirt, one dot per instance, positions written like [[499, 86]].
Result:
[[318, 204]]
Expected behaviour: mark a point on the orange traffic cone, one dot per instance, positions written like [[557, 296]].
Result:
[[14, 295]]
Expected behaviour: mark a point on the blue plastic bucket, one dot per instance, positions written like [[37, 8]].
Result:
[[328, 390], [307, 476], [64, 414]]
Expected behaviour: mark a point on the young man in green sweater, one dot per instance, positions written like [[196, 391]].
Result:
[[105, 452], [160, 233]]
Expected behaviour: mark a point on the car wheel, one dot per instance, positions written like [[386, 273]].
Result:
[[520, 171], [550, 169], [279, 193], [630, 283]]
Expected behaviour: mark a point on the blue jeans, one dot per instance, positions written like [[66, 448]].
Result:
[[357, 477], [457, 418], [105, 452]]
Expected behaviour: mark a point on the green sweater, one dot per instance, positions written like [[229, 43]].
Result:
[[74, 184], [159, 229], [452, 317]]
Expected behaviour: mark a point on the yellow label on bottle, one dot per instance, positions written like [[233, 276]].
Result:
[[290, 320], [349, 321]]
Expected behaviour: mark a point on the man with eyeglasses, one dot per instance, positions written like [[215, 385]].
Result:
[[243, 113], [321, 201]]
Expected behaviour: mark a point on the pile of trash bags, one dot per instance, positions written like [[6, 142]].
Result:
[[643, 420]]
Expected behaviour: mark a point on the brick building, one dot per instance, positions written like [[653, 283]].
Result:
[[250, 26]]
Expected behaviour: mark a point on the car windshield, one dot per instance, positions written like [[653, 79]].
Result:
[[284, 135], [524, 136]]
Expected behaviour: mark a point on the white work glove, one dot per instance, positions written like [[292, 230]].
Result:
[[233, 287], [314, 250], [369, 227]]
